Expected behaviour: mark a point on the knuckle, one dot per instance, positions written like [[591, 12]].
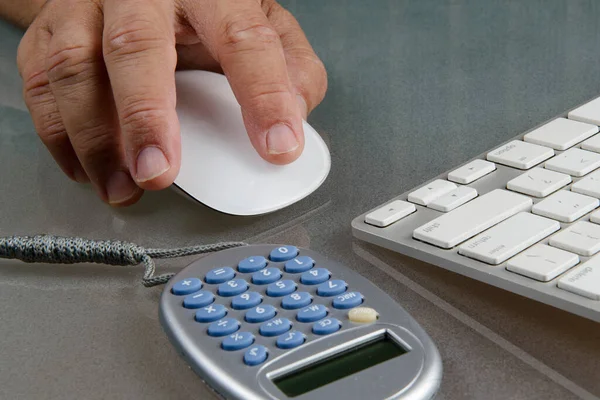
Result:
[[71, 64], [94, 144], [242, 33], [51, 129], [144, 119], [135, 37], [261, 94]]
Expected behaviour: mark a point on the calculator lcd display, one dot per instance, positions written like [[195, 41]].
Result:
[[339, 366]]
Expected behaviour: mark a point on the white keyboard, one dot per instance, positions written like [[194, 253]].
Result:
[[524, 216]]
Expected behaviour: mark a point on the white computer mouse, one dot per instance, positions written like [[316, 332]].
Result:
[[219, 166]]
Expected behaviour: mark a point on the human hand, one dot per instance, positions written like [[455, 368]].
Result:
[[99, 83]]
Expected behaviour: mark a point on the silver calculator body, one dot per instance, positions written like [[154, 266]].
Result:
[[389, 358]]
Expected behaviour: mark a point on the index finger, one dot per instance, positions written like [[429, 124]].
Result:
[[249, 49]]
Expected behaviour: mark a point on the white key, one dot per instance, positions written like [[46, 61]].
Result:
[[539, 182], [583, 280], [455, 198], [518, 154], [471, 172], [508, 238], [589, 112], [390, 213], [592, 144], [542, 262], [473, 218], [565, 206], [561, 133], [430, 192], [574, 162], [590, 185], [582, 238], [595, 217]]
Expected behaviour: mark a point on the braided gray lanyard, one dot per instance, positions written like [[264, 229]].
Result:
[[62, 250]]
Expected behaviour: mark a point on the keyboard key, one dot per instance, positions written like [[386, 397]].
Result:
[[223, 327], [521, 155], [275, 327], [219, 275], [198, 299], [583, 280], [232, 288], [508, 238], [561, 133], [347, 300], [574, 162], [542, 262], [588, 112], [261, 314], [186, 286], [326, 326], [472, 218], [454, 199], [332, 288], [255, 355], [266, 276], [283, 253], [595, 217], [390, 213], [238, 341], [211, 313], [363, 315], [246, 300], [590, 185], [299, 265], [582, 238], [539, 182], [315, 276], [471, 172], [296, 300], [431, 191], [252, 264], [565, 206], [592, 144], [290, 340], [312, 313], [281, 288]]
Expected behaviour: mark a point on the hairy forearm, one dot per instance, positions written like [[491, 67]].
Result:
[[20, 12]]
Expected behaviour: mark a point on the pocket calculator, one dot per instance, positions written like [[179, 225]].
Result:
[[281, 322]]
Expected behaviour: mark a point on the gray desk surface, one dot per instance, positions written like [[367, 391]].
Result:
[[415, 88]]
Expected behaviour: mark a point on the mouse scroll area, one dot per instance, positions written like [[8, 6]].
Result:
[[219, 166]]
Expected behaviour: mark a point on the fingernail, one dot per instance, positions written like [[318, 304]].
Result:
[[120, 188], [151, 162], [281, 139], [302, 105], [79, 175]]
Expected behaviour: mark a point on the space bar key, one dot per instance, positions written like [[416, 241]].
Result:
[[472, 218]]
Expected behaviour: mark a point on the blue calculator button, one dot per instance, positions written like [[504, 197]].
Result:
[[332, 288], [237, 341], [299, 264], [266, 276], [281, 288], [283, 253], [252, 264], [312, 313], [348, 300], [255, 355], [275, 327], [219, 275], [326, 326], [232, 288], [187, 286], [223, 327], [315, 276], [211, 313], [246, 301], [198, 299], [290, 340], [261, 314], [296, 300]]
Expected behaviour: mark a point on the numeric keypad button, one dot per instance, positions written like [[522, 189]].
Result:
[[331, 288], [315, 276], [252, 264], [266, 276], [261, 314], [237, 341], [198, 299], [290, 340], [275, 327], [223, 327], [232, 288], [186, 286], [283, 253], [326, 326], [299, 265], [281, 288], [312, 313], [348, 300], [246, 300], [255, 355], [296, 300], [219, 275], [211, 313]]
